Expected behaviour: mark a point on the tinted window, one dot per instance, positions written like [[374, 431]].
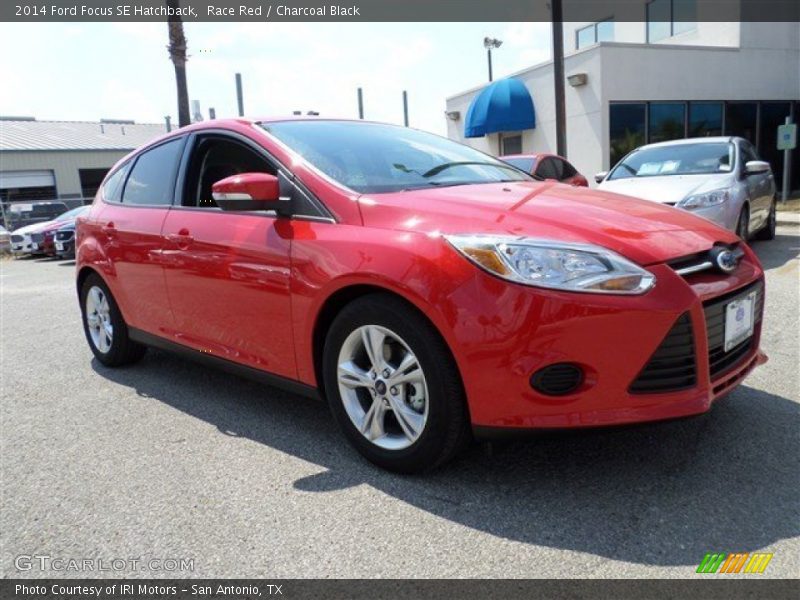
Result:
[[525, 164], [773, 114], [112, 188], [705, 119], [567, 170], [627, 125], [740, 120], [152, 178], [678, 159], [512, 144], [375, 158], [667, 120], [547, 169]]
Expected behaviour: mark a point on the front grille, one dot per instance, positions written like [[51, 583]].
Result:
[[64, 236], [672, 366], [719, 361], [17, 239], [37, 238], [702, 261]]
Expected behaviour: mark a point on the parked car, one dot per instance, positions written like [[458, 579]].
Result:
[[64, 235], [22, 214], [547, 166], [5, 240], [39, 239], [430, 292], [719, 178]]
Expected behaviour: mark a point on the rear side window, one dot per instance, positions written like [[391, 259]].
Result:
[[152, 179], [547, 169], [112, 188], [567, 170]]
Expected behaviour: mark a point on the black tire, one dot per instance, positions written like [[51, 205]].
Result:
[[768, 231], [122, 350], [447, 429], [743, 223]]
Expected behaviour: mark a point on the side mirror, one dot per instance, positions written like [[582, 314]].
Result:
[[251, 191], [598, 177], [754, 167]]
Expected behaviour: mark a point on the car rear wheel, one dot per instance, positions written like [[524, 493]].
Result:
[[768, 231], [743, 224], [105, 329], [393, 386]]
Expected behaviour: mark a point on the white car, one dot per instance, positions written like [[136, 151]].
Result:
[[719, 178], [21, 242]]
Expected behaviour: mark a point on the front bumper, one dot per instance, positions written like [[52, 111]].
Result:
[[520, 330]]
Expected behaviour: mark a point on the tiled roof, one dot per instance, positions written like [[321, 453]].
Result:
[[27, 134]]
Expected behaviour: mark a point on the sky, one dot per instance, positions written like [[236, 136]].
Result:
[[88, 71]]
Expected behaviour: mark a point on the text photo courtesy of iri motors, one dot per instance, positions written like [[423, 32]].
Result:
[[391, 300]]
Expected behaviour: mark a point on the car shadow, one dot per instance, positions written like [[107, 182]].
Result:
[[658, 494], [776, 253], [67, 262]]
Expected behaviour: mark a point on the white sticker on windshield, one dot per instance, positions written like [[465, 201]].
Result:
[[652, 168]]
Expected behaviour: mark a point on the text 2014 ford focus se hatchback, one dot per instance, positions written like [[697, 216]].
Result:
[[430, 292]]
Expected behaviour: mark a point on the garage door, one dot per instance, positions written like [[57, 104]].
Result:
[[26, 179]]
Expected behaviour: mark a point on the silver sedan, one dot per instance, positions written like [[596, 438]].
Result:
[[719, 178]]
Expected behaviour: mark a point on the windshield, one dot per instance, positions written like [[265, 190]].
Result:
[[372, 158], [681, 159], [525, 164]]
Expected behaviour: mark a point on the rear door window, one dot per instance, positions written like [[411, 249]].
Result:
[[547, 169], [152, 179]]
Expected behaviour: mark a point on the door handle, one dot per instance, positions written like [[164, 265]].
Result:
[[109, 229], [182, 239]]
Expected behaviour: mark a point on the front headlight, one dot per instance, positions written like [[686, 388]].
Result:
[[554, 265], [704, 200]]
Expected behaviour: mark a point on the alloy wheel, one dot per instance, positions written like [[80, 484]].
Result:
[[98, 319], [382, 386]]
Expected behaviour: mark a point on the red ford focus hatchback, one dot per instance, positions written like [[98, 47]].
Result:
[[430, 292]]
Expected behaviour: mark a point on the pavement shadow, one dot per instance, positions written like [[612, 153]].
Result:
[[778, 252], [659, 494]]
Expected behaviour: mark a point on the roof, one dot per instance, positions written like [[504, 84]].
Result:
[[696, 140], [26, 134]]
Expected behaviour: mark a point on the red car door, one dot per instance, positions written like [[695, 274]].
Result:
[[228, 273], [130, 230]]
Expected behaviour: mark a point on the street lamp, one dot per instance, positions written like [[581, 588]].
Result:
[[490, 43]]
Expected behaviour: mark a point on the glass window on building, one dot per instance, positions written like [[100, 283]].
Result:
[[666, 18], [773, 115], [602, 31], [512, 144], [705, 119], [740, 120], [667, 121], [626, 129]]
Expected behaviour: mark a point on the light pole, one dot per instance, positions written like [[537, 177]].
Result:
[[490, 43]]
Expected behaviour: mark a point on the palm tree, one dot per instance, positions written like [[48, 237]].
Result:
[[177, 54]]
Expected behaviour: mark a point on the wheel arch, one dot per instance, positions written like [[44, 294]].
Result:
[[343, 296]]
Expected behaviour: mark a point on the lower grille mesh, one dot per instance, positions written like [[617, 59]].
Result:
[[720, 361], [672, 366]]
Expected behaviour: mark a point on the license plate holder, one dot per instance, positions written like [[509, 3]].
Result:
[[739, 320], [59, 246]]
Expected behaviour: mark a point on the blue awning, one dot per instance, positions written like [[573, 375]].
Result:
[[504, 105]]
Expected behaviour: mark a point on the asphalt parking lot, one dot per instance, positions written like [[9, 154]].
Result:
[[170, 460]]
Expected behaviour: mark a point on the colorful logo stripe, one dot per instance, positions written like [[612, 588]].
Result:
[[737, 562]]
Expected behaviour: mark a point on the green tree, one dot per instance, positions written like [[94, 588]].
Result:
[[177, 54]]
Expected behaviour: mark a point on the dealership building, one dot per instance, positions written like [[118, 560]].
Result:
[[64, 160], [631, 83]]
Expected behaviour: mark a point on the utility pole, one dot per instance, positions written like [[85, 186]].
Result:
[[405, 108], [239, 95], [360, 104], [558, 76]]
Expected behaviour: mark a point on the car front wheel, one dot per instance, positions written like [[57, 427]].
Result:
[[105, 329], [768, 231], [393, 385]]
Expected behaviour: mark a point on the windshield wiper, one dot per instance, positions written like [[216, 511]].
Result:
[[438, 169]]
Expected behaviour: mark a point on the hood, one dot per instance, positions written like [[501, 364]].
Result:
[[667, 189], [644, 232], [33, 228]]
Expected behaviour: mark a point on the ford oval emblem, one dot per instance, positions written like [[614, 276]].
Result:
[[726, 260]]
